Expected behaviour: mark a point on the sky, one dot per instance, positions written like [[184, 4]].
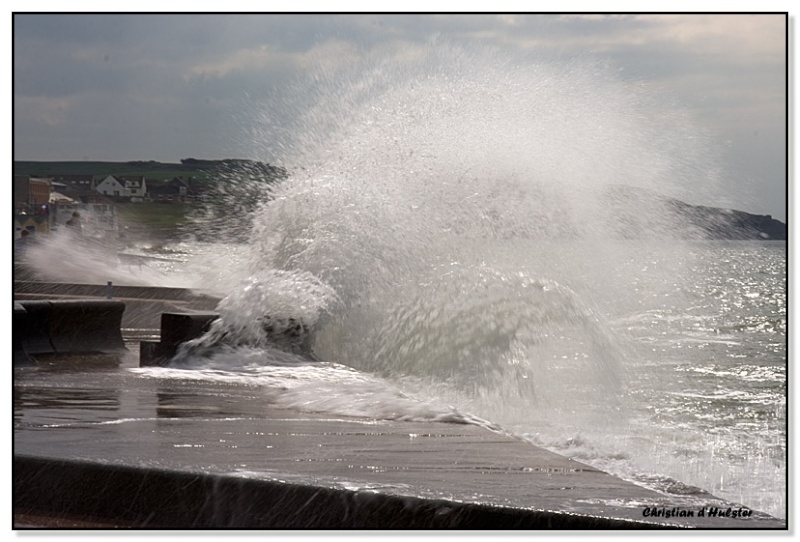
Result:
[[151, 86]]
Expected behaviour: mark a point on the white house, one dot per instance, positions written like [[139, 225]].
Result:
[[110, 186], [135, 186]]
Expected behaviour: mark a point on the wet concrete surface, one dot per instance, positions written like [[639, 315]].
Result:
[[97, 444]]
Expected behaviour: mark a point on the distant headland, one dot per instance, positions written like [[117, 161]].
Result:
[[634, 210]]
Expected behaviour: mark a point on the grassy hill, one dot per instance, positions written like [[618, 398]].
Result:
[[150, 170], [203, 173]]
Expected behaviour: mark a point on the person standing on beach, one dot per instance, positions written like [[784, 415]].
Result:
[[74, 223]]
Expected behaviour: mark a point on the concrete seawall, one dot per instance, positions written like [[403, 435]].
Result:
[[132, 449], [173, 499], [143, 304], [66, 327]]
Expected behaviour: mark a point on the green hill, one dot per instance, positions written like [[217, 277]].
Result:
[[201, 171], [151, 169]]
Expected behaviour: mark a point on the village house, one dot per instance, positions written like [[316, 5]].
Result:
[[75, 182], [78, 188], [135, 186], [123, 186], [110, 186], [177, 189]]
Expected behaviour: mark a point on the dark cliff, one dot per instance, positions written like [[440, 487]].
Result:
[[635, 213], [718, 223]]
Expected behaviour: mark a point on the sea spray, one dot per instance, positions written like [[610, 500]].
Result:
[[461, 205], [273, 309], [406, 169], [490, 225], [494, 232]]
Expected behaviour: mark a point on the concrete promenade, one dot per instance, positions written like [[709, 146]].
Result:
[[315, 472], [96, 445]]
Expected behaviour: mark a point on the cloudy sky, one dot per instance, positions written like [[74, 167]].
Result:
[[118, 87]]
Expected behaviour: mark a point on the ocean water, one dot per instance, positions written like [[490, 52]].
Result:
[[673, 375], [458, 235]]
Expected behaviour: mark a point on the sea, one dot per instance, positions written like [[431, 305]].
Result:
[[453, 236], [671, 372]]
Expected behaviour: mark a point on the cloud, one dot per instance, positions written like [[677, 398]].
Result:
[[44, 110], [261, 58], [77, 73], [743, 38]]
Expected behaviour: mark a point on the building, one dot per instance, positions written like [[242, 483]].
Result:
[[176, 189], [123, 186], [79, 188], [81, 183], [31, 204], [135, 186], [110, 186], [30, 192]]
